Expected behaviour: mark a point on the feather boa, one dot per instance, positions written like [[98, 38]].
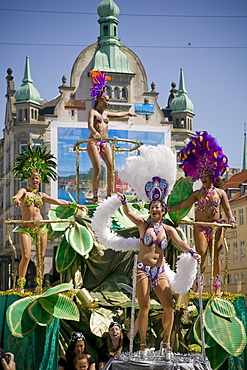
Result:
[[186, 267]]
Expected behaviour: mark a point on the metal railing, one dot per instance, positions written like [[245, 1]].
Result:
[[114, 148]]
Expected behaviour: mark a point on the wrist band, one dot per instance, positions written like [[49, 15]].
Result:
[[13, 199], [191, 251], [232, 219], [124, 200]]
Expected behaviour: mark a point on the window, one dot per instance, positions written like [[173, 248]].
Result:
[[8, 197], [229, 252], [229, 279], [124, 93], [108, 91], [241, 216], [234, 215], [242, 250], [37, 143], [1, 201], [236, 277], [20, 115], [8, 159], [235, 252], [244, 277], [22, 146], [105, 30], [116, 92], [1, 166]]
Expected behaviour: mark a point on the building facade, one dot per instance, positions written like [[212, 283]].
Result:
[[35, 121]]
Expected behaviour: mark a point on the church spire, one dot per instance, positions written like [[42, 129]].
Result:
[[244, 166], [109, 56]]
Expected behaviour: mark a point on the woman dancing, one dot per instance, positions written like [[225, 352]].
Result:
[[98, 119], [153, 272], [203, 159], [34, 165]]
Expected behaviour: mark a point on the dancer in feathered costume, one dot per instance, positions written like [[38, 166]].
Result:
[[35, 165], [152, 175], [204, 159], [98, 119]]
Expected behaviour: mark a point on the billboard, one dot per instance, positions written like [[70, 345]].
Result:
[[64, 135]]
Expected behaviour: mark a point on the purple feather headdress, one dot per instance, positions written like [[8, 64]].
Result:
[[99, 85], [203, 155]]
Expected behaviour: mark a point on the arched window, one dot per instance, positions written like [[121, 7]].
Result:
[[115, 31], [105, 30], [20, 115], [108, 91], [32, 114], [116, 93], [124, 93], [25, 115], [36, 115]]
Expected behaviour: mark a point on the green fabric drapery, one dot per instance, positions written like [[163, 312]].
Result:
[[38, 350]]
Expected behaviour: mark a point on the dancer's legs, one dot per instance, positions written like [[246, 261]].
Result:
[[94, 156], [201, 245], [107, 158], [25, 245], [217, 262], [163, 292], [143, 296]]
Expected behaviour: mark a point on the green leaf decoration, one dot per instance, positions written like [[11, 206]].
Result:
[[227, 331], [100, 321], [61, 307], [80, 239], [217, 356], [65, 256], [55, 230], [181, 191], [209, 341], [18, 319], [24, 314], [124, 222], [38, 315], [222, 307]]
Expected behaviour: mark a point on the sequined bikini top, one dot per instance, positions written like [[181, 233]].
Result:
[[148, 239], [33, 197], [101, 119], [209, 198]]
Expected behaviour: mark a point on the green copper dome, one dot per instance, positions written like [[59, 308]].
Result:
[[108, 8], [27, 93], [182, 103]]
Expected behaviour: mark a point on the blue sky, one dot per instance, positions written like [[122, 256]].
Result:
[[159, 32]]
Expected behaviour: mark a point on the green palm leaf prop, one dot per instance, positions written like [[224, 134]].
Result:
[[65, 255], [18, 319], [181, 191], [24, 315], [228, 332], [124, 222], [61, 307], [57, 229], [222, 329], [38, 315], [80, 239]]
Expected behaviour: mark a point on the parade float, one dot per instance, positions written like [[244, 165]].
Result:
[[95, 286]]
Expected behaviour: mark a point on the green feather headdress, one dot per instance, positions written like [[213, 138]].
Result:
[[35, 159]]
